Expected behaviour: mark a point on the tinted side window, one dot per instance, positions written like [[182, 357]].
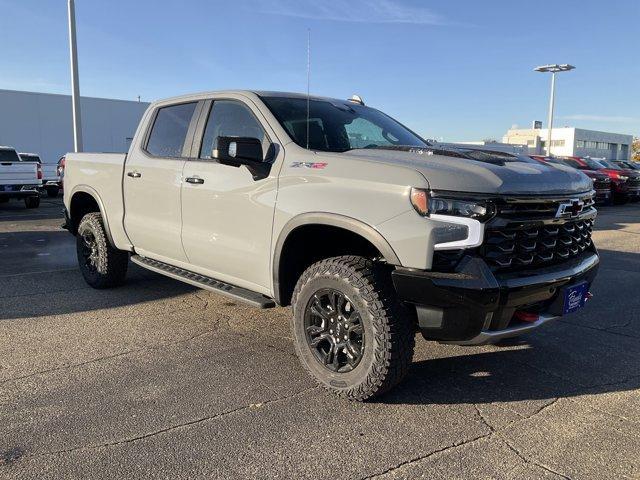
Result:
[[170, 130], [230, 119]]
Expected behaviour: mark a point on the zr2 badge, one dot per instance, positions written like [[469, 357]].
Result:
[[316, 165]]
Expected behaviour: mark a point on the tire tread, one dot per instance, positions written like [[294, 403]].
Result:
[[395, 329]]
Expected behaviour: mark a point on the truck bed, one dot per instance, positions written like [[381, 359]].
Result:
[[100, 175]]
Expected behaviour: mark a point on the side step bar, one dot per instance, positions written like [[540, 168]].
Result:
[[237, 293]]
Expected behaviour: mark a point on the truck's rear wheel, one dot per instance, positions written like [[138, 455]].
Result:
[[350, 332], [102, 266], [32, 202]]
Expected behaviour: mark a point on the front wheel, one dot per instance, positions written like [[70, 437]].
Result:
[[102, 265], [351, 333]]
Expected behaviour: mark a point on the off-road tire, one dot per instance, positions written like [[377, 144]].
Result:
[[32, 202], [111, 264], [389, 327]]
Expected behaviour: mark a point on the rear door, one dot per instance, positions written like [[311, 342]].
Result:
[[227, 216], [152, 182]]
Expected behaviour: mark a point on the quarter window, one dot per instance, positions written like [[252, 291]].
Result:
[[229, 118], [169, 130]]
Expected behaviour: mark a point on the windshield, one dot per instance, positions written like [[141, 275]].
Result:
[[610, 165], [25, 157], [593, 164], [336, 126], [8, 155]]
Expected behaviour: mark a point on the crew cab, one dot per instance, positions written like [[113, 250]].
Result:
[[625, 182], [367, 230], [601, 182], [50, 178], [19, 179]]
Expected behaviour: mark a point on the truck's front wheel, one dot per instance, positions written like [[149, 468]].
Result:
[[102, 266], [351, 333]]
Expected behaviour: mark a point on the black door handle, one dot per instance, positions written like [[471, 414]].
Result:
[[134, 174], [195, 180]]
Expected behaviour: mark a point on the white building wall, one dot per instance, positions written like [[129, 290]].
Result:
[[42, 123], [570, 141]]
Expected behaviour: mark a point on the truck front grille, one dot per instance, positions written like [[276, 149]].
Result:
[[528, 233], [512, 248]]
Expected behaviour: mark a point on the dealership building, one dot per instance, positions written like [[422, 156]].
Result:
[[42, 123], [568, 141]]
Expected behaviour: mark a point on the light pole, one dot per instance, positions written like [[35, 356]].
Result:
[[75, 84], [553, 69]]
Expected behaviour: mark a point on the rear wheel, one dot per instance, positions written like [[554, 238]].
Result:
[[32, 202], [351, 334], [102, 265]]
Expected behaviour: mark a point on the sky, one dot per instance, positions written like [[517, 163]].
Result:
[[453, 70]]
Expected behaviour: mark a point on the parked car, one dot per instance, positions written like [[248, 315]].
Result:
[[50, 179], [629, 165], [626, 183], [601, 181], [333, 207], [19, 179]]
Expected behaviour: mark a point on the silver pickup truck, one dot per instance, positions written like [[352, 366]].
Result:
[[367, 230], [19, 179]]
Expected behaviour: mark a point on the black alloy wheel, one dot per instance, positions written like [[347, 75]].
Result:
[[334, 330], [89, 251]]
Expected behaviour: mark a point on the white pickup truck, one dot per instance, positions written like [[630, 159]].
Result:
[[370, 232], [50, 175], [19, 179]]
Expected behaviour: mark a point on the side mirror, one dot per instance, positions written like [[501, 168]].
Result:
[[238, 151]]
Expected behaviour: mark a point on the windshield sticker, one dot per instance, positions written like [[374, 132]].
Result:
[[316, 165]]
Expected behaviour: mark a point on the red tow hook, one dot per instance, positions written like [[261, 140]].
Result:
[[526, 316]]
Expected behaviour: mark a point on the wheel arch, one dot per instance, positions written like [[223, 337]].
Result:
[[336, 222], [85, 199]]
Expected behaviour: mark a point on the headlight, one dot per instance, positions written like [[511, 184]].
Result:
[[426, 204]]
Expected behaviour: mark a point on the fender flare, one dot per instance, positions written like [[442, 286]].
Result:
[[362, 229], [91, 191]]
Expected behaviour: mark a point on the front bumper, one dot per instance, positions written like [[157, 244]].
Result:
[[603, 195], [473, 306]]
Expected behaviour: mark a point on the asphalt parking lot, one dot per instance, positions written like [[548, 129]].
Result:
[[160, 380]]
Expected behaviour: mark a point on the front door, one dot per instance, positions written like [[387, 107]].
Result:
[[227, 215], [152, 184]]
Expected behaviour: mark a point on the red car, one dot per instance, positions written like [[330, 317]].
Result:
[[626, 182], [602, 183]]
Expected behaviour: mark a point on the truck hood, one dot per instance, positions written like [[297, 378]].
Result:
[[501, 174]]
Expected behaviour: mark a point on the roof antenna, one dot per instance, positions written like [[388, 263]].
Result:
[[308, 76]]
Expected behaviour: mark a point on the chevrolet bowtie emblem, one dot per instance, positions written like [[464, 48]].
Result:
[[571, 209]]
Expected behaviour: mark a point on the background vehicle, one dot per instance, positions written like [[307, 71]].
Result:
[[330, 206], [60, 171], [601, 181], [19, 179], [629, 165], [50, 177], [626, 183]]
